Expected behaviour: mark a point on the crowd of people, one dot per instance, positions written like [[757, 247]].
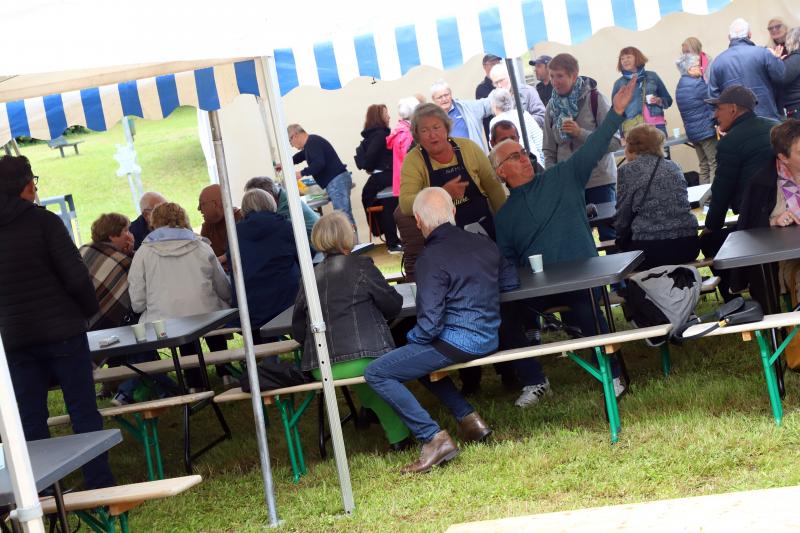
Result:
[[468, 205]]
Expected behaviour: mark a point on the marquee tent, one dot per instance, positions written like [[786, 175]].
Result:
[[145, 58]]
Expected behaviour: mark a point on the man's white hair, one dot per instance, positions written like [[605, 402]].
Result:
[[406, 106], [494, 157], [257, 200], [434, 207], [502, 99], [440, 85], [150, 199], [740, 29], [498, 71]]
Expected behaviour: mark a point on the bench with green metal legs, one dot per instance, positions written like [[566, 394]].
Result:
[[290, 418], [768, 361], [602, 373]]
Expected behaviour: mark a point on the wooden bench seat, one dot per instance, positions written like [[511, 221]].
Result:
[[117, 501], [237, 394], [162, 366]]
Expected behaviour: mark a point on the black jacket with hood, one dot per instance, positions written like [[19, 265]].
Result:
[[46, 294]]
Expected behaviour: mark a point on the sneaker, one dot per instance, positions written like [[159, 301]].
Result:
[[619, 387], [229, 382], [120, 399], [396, 249], [532, 393]]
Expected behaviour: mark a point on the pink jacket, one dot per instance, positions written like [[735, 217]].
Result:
[[398, 142]]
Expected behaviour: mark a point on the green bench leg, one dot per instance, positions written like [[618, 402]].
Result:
[[123, 523], [290, 417], [146, 432], [666, 363], [603, 374], [102, 523], [767, 361], [281, 403]]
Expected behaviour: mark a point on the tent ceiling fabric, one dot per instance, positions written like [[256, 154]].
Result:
[[99, 108]]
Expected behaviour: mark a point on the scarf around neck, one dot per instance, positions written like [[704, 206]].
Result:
[[565, 107], [635, 107], [790, 190]]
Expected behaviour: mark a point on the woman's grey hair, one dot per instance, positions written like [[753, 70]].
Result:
[[501, 99], [333, 234], [256, 200], [793, 40], [687, 61], [429, 110], [264, 183], [434, 207], [406, 106]]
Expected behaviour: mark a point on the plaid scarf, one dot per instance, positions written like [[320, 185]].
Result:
[[791, 192], [565, 107], [108, 269]]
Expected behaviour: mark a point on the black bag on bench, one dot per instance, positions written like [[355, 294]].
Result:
[[737, 311]]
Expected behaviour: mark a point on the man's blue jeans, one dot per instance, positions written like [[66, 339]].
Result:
[[338, 190], [67, 363], [415, 361], [600, 195]]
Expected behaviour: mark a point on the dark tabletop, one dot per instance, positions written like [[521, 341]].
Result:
[[758, 246], [56, 458], [606, 212], [179, 331], [554, 279]]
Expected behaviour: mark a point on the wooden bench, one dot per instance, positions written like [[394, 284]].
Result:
[[144, 427], [60, 142], [768, 357], [100, 508], [397, 277], [754, 510]]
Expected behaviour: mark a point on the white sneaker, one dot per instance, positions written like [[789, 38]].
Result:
[[532, 393], [619, 387], [229, 382]]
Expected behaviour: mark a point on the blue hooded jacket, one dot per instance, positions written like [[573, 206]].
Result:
[[698, 116], [269, 263]]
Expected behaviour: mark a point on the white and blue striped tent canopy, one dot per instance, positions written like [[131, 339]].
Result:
[[330, 45]]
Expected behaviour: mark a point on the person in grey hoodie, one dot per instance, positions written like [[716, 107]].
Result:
[[175, 273], [575, 110]]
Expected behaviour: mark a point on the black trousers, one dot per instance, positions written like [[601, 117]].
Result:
[[375, 184], [710, 243], [667, 251]]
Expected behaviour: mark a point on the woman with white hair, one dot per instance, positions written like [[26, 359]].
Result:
[[788, 91], [399, 141], [269, 259], [697, 115], [504, 109]]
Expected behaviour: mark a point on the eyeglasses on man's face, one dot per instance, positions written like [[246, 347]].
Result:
[[516, 156]]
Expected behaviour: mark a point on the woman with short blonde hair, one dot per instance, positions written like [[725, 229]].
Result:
[[170, 215], [332, 234]]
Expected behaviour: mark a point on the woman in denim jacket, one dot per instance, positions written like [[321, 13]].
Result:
[[651, 97]]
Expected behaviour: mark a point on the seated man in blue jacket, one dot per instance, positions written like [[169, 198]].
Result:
[[459, 278]]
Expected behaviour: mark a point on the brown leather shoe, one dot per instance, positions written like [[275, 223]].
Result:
[[473, 429], [440, 449]]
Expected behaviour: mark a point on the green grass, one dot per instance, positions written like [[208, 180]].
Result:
[[168, 151]]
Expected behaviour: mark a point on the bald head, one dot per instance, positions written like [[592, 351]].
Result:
[[433, 207], [148, 202], [211, 204]]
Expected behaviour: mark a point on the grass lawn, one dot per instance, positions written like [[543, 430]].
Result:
[[168, 151]]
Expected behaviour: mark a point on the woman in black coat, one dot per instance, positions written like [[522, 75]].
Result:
[[373, 156], [788, 91]]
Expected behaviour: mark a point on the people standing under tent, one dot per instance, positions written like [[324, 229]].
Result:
[[466, 116], [788, 90], [528, 96], [356, 302], [324, 165], [543, 86], [692, 45], [485, 87], [504, 109], [651, 97], [748, 65], [375, 157], [777, 37], [697, 115]]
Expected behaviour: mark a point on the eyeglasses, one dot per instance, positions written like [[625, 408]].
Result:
[[35, 180], [516, 156], [775, 27]]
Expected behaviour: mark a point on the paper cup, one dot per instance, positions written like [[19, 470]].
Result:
[[139, 332], [650, 98], [160, 328], [676, 132], [536, 263]]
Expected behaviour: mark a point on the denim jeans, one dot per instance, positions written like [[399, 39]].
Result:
[[415, 361], [67, 363], [338, 190], [600, 195]]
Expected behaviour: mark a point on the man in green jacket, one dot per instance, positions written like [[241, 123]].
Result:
[[743, 151], [546, 212]]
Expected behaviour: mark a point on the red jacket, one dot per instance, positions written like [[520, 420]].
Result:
[[398, 142]]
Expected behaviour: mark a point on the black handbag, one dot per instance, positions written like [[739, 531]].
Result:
[[625, 235], [732, 313]]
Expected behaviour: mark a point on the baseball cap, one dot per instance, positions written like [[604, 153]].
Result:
[[491, 58], [736, 94], [541, 60]]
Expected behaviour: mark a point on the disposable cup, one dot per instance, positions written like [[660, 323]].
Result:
[[139, 332], [676, 132], [650, 98], [536, 263], [160, 328]]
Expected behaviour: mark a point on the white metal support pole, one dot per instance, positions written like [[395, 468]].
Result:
[[244, 318], [523, 130], [309, 283], [262, 106], [28, 512]]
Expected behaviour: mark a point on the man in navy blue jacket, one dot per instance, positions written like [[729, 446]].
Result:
[[459, 278], [324, 166]]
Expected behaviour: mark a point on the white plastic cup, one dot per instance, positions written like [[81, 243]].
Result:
[[650, 98], [160, 328], [676, 132], [139, 332], [536, 263]]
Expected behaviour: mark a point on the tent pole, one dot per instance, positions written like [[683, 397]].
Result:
[[28, 511], [244, 317], [523, 131], [309, 283], [262, 106]]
